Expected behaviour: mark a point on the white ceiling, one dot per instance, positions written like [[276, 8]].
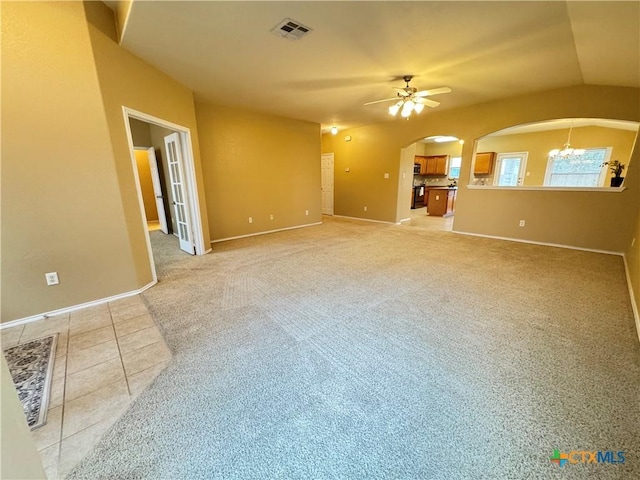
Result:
[[358, 51]]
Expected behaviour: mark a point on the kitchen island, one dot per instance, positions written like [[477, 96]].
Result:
[[441, 201]]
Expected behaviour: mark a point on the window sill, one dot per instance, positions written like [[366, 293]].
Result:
[[552, 189]]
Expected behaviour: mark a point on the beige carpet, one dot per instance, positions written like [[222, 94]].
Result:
[[361, 350]]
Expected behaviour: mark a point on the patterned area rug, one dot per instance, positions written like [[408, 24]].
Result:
[[31, 366]]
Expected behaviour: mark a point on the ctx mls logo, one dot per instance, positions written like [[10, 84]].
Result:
[[582, 456], [559, 458]]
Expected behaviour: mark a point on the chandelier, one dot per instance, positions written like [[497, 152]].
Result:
[[567, 150]]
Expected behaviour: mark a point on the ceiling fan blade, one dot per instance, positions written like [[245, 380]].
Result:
[[427, 102], [433, 91], [379, 101], [402, 91]]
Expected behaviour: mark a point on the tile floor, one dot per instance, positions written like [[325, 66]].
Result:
[[106, 355]]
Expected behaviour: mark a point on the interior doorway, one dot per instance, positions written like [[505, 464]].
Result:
[[327, 183], [152, 185], [169, 157]]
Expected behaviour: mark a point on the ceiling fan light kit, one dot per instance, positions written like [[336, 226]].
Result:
[[410, 100]]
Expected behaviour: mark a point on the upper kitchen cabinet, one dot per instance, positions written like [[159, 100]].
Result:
[[422, 161], [437, 165], [484, 163]]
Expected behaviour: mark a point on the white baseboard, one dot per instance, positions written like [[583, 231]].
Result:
[[546, 244], [634, 305], [266, 232], [60, 311], [403, 220], [365, 219]]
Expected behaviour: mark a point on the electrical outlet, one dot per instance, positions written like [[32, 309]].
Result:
[[306, 212], [271, 217], [365, 209], [52, 278], [386, 175], [250, 219], [521, 223]]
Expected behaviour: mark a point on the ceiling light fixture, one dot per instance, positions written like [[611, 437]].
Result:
[[567, 150], [408, 99], [445, 139], [406, 107], [334, 130]]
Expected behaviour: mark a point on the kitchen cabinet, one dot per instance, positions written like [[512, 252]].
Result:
[[484, 163], [422, 161], [441, 202], [437, 165]]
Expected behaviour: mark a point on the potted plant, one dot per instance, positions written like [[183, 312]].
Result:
[[616, 169]]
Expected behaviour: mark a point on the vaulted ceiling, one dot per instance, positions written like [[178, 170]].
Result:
[[357, 51]]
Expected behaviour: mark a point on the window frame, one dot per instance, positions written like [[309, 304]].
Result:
[[450, 166], [601, 177]]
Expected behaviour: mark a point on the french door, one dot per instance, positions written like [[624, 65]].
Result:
[[174, 160]]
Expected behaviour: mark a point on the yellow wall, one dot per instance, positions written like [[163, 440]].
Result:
[[538, 144], [453, 149], [633, 264], [127, 80], [597, 220], [61, 206], [146, 185], [257, 165], [64, 82], [373, 151], [140, 133]]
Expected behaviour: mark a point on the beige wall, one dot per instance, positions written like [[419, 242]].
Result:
[[373, 151], [633, 263], [127, 80], [18, 454], [64, 82], [146, 185], [597, 220], [140, 133], [257, 165], [538, 145], [61, 206]]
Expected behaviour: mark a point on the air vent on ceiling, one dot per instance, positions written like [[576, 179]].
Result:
[[291, 29]]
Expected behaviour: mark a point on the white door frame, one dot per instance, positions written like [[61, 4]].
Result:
[[191, 187]]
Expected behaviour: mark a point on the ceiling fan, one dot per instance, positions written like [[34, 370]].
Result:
[[409, 99]]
